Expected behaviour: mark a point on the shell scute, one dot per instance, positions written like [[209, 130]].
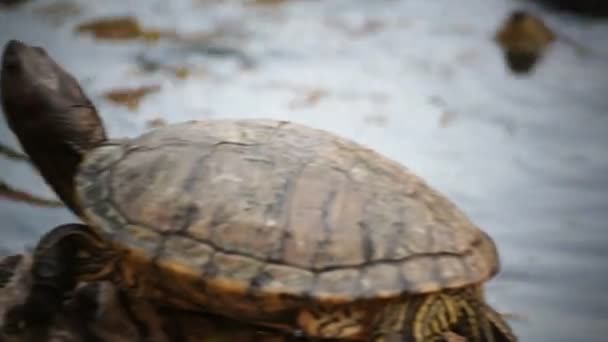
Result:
[[326, 217]]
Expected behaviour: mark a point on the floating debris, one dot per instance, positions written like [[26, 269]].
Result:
[[11, 153], [150, 65], [130, 97], [186, 47], [156, 123], [446, 118], [524, 39], [128, 28], [181, 72], [247, 62], [122, 28], [13, 194], [310, 98], [376, 120]]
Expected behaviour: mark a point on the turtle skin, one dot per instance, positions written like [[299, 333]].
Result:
[[100, 312], [266, 221]]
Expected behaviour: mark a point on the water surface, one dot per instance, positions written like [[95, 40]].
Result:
[[420, 81]]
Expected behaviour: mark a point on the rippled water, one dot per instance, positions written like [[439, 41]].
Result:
[[420, 81]]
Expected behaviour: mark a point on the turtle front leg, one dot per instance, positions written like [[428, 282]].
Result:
[[64, 256], [447, 316]]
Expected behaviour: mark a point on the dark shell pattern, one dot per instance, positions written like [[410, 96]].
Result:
[[282, 207]]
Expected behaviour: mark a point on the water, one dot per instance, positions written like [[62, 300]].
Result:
[[422, 82]]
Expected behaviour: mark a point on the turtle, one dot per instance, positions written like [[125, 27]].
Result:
[[98, 312], [266, 221]]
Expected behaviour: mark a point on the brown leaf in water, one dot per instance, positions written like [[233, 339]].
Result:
[[181, 72], [130, 97], [524, 31], [121, 28], [523, 38]]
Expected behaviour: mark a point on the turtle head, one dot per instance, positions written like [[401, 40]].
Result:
[[53, 119]]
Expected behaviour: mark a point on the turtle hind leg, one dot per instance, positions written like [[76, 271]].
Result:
[[343, 322], [445, 316], [501, 330], [62, 257], [479, 319]]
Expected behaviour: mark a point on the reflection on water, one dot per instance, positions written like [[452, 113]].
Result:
[[420, 81]]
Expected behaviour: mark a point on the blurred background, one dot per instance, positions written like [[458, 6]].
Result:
[[502, 105]]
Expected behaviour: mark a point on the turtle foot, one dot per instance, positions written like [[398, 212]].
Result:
[[53, 276]]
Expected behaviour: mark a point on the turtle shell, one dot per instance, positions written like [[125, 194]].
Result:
[[282, 208]]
